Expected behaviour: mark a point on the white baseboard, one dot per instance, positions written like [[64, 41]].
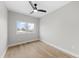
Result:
[[3, 55], [63, 50], [18, 43]]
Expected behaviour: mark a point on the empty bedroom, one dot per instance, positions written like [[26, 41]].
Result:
[[39, 29]]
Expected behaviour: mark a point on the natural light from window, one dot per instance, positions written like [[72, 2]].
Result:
[[24, 27]]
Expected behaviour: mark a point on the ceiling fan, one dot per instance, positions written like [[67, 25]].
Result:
[[34, 6]]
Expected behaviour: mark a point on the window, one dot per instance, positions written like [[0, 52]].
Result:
[[24, 27]]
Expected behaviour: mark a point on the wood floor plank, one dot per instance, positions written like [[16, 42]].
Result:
[[36, 49]]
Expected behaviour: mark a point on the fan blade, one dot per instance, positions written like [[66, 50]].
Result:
[[31, 4], [42, 10], [31, 12]]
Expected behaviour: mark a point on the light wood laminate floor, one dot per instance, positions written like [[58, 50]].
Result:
[[37, 49]]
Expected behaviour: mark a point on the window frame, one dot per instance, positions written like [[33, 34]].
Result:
[[18, 32]]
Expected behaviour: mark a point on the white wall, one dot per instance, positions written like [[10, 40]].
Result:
[[3, 29], [18, 38], [61, 28]]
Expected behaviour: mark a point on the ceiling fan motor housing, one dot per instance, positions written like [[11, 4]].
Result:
[[35, 4]]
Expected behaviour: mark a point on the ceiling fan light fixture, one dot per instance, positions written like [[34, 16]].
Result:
[[35, 11]]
